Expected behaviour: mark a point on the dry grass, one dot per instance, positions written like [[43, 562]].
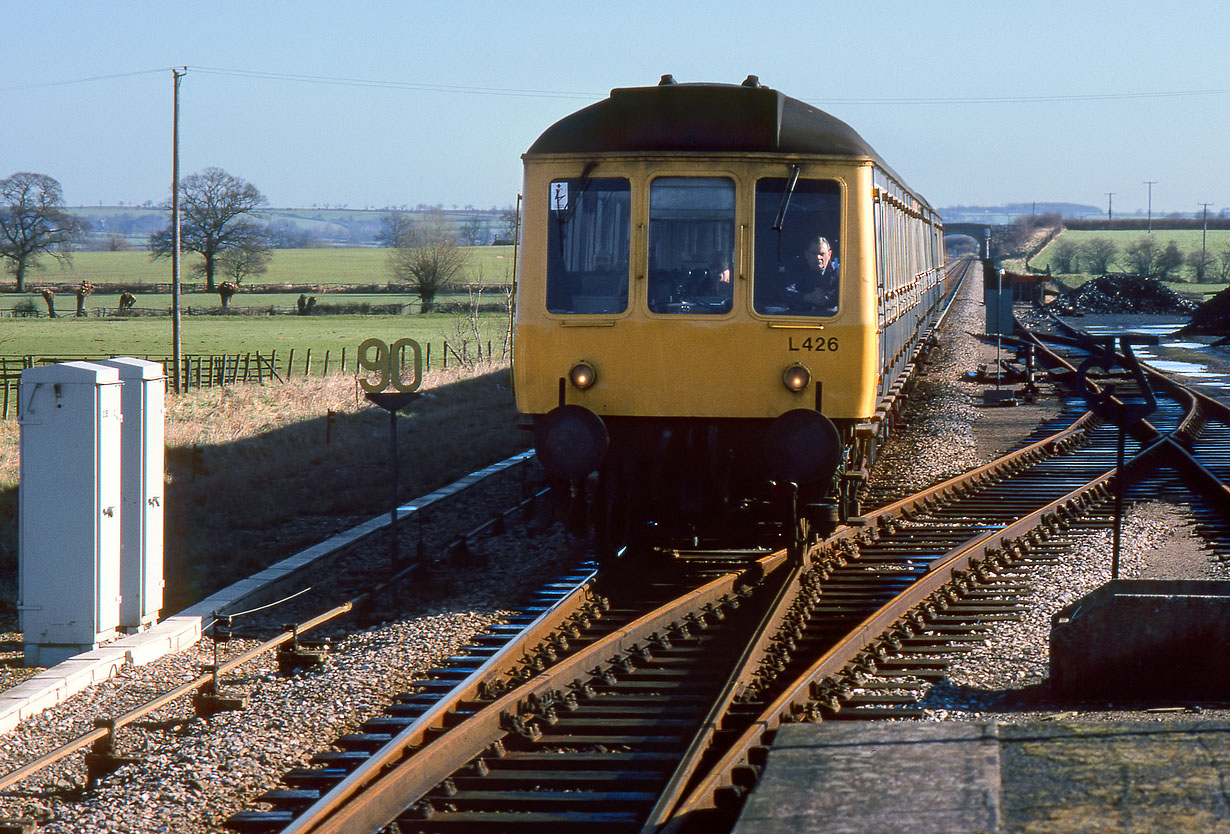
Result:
[[271, 476]]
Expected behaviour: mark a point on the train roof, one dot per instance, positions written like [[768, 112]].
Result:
[[744, 117], [734, 118]]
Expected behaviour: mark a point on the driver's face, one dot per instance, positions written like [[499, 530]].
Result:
[[823, 256]]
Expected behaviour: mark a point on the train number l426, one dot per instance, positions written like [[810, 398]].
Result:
[[815, 344]]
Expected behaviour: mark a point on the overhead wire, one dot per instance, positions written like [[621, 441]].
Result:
[[42, 84], [423, 86]]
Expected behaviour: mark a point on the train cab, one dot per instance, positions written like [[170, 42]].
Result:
[[698, 304]]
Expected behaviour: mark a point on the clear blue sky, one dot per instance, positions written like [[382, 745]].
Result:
[[411, 102]]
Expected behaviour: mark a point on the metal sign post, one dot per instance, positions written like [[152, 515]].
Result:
[[1117, 411], [387, 364]]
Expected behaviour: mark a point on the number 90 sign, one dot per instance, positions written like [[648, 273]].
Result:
[[385, 361]]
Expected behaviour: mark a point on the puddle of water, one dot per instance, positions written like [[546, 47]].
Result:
[[1190, 370]]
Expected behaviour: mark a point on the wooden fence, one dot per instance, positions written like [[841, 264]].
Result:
[[208, 371]]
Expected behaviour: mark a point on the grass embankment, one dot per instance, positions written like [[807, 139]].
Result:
[[1187, 241], [272, 478]]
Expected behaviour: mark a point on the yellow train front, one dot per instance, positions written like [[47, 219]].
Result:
[[717, 287]]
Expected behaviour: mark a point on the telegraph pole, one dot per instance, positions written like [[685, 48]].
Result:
[[175, 336], [1205, 233], [1150, 183], [1110, 215]]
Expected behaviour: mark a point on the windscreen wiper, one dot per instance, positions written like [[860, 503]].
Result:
[[784, 204], [574, 201]]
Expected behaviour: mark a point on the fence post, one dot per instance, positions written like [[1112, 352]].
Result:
[[247, 365], [343, 360], [290, 362], [444, 356], [326, 371], [307, 364]]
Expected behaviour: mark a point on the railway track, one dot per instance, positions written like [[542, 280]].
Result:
[[644, 700], [657, 718]]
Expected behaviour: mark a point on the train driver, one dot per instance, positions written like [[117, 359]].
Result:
[[815, 292]]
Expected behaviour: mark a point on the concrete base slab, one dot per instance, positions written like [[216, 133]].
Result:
[[1053, 776], [1134, 639], [841, 778]]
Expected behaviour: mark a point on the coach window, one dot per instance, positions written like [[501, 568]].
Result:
[[588, 245], [691, 245], [798, 250]]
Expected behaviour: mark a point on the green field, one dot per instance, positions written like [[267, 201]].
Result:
[[1188, 240], [359, 265], [216, 335], [200, 303]]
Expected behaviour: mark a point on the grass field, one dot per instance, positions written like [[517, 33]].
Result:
[[489, 264], [272, 303], [1188, 240], [215, 335]]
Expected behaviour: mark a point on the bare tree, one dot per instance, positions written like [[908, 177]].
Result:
[[1064, 255], [84, 289], [33, 223], [429, 258], [508, 224], [1223, 266], [246, 259], [474, 232], [49, 296], [1141, 256], [394, 229], [1098, 254], [225, 290], [216, 207], [1168, 262], [1202, 262]]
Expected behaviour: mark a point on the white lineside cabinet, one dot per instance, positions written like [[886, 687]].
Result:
[[68, 509], [143, 445]]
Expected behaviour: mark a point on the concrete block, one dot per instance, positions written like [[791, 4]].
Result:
[[877, 778], [1136, 639], [10, 713], [169, 636]]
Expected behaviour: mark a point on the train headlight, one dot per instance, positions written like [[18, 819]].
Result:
[[796, 377], [583, 375]]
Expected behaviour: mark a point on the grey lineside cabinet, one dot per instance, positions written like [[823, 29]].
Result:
[[68, 509]]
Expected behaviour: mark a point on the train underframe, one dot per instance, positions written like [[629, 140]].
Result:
[[692, 483]]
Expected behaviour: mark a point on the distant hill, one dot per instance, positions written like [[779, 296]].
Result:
[[131, 226], [1011, 211]]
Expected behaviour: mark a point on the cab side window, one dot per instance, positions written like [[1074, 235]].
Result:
[[588, 241], [798, 252]]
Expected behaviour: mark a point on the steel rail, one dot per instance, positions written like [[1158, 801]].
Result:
[[1188, 427], [105, 727], [766, 633], [374, 795], [944, 570], [753, 654], [112, 725]]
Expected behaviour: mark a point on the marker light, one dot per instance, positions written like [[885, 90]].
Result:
[[582, 375], [796, 377]]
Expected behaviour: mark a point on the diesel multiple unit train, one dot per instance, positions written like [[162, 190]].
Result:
[[718, 286]]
